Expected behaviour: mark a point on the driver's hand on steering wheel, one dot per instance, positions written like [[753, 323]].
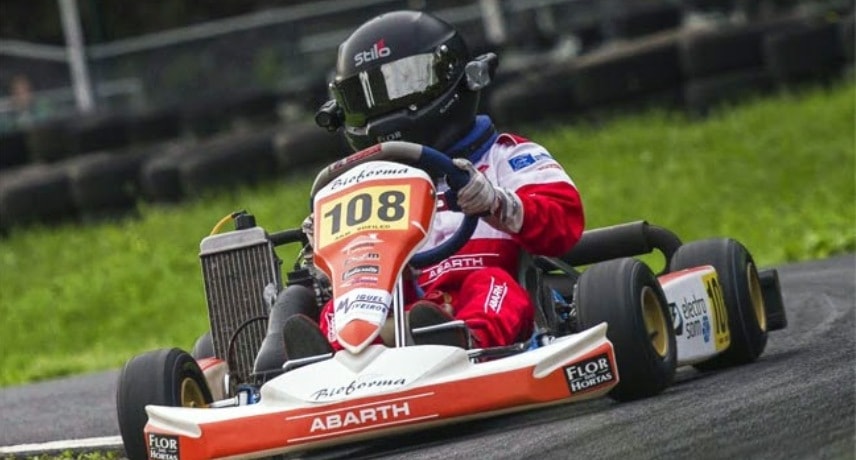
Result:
[[501, 208]]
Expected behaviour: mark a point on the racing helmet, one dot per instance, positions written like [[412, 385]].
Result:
[[404, 76]]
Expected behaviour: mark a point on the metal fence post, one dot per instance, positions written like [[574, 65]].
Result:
[[76, 55]]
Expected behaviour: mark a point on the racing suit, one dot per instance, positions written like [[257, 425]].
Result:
[[479, 282]]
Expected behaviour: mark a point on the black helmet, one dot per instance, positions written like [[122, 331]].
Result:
[[400, 76]]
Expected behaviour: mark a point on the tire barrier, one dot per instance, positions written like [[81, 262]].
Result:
[[535, 97], [159, 178], [628, 70], [36, 194], [179, 152], [103, 131], [204, 118], [644, 19], [703, 94], [808, 53], [228, 162], [13, 149], [154, 126], [107, 185], [304, 145], [219, 113], [728, 49], [49, 141], [847, 35], [257, 108]]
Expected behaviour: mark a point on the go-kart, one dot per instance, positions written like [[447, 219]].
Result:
[[614, 328]]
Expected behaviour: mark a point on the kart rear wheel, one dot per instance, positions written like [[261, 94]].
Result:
[[167, 377], [741, 289], [625, 294]]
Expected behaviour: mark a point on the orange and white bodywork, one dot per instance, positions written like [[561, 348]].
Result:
[[369, 221], [383, 391]]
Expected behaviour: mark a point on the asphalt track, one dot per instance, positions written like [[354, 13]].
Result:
[[797, 402]]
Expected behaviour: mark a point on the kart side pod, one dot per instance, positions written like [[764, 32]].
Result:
[[638, 238]]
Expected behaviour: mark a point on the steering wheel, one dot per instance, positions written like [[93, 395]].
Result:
[[423, 157]]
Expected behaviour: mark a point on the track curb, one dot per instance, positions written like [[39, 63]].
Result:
[[76, 446]]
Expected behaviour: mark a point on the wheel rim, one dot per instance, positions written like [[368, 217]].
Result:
[[757, 296], [191, 394], [655, 323]]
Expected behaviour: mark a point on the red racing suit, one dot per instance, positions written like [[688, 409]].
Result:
[[479, 281]]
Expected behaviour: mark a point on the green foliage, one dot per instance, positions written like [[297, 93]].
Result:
[[778, 175]]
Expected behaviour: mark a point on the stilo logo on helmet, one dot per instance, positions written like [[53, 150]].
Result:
[[378, 50]]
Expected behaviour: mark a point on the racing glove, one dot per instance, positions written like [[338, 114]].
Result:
[[501, 208]]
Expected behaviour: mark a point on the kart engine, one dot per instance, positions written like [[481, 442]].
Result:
[[242, 276]]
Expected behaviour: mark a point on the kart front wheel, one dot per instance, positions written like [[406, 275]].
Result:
[[625, 294], [741, 291], [167, 377]]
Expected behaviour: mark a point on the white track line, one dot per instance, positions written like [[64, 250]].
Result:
[[68, 444]]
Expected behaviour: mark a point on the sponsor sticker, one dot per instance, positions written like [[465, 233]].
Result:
[[163, 447], [527, 159], [705, 329], [376, 51], [361, 258], [363, 303], [495, 296], [677, 319], [362, 243], [362, 383], [456, 263], [360, 417], [361, 270], [589, 374]]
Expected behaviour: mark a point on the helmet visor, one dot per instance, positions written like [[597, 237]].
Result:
[[412, 80]]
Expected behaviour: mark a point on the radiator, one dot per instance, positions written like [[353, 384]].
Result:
[[241, 271]]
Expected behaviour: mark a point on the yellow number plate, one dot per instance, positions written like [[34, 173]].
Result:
[[378, 208], [720, 314]]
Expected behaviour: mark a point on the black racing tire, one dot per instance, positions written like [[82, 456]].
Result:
[[166, 377], [626, 295], [203, 347], [741, 289]]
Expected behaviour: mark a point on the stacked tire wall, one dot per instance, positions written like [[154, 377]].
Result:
[[104, 165]]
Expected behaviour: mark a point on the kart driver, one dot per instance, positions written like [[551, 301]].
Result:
[[401, 76]]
